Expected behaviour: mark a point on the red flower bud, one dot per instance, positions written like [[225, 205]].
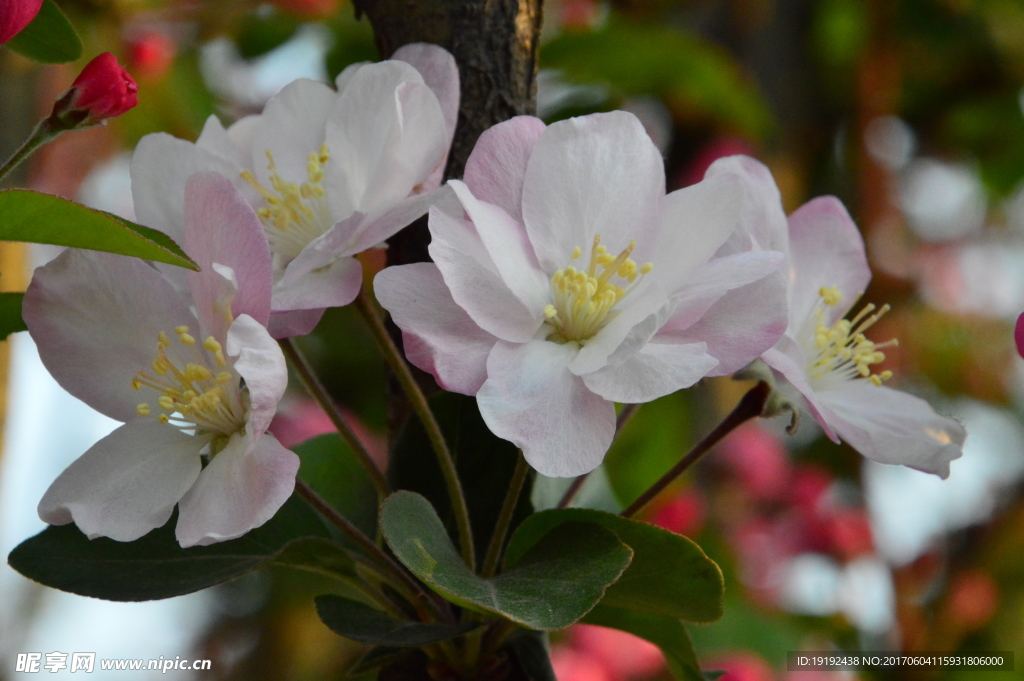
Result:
[[102, 90], [16, 15]]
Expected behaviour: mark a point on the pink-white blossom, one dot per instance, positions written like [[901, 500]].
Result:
[[823, 364], [330, 172], [193, 375], [571, 282]]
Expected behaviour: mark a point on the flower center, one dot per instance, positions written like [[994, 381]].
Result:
[[196, 394], [585, 300], [842, 351], [294, 214]]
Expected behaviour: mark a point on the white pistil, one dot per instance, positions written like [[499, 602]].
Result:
[[585, 300], [192, 396], [842, 352], [294, 214]]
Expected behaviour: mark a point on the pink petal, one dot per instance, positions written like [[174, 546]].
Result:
[[496, 169], [658, 369], [127, 483], [510, 250], [221, 228], [438, 335], [261, 363], [441, 75], [95, 317], [597, 174], [790, 363], [474, 280], [239, 490], [295, 323], [893, 427], [763, 224], [334, 284], [532, 399], [827, 251]]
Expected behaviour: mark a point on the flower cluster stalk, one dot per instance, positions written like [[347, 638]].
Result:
[[508, 509], [319, 393], [422, 408], [44, 132], [750, 406]]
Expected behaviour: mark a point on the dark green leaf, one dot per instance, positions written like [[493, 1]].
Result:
[[154, 566], [713, 676], [260, 32], [375, 658], [364, 624], [484, 461], [323, 556], [44, 219], [554, 584], [50, 38], [10, 314], [664, 632], [332, 470], [531, 649], [669, 575]]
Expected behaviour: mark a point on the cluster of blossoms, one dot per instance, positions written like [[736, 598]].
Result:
[[564, 280]]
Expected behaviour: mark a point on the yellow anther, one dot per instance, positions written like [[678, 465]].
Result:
[[223, 377], [843, 349], [831, 295], [576, 252], [550, 311], [211, 344], [162, 338], [142, 409], [136, 385], [164, 418], [166, 403], [186, 339], [159, 366], [181, 329]]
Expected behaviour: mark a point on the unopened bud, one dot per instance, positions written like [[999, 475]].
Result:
[[15, 15], [102, 90]]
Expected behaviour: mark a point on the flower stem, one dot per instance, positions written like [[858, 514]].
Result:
[[624, 417], [401, 580], [422, 408], [319, 393], [750, 406], [508, 508], [43, 133]]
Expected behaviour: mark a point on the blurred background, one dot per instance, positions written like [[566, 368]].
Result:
[[910, 111]]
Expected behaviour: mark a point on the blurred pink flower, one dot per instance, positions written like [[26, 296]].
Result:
[[759, 460], [682, 514], [740, 666], [15, 15], [625, 656], [151, 54]]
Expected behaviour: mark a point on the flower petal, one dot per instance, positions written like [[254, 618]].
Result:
[[695, 222], [221, 228], [386, 134], [474, 281], [656, 370], [215, 139], [241, 489], [294, 323], [891, 426], [763, 224], [291, 127], [127, 483], [509, 247], [332, 285], [648, 299], [374, 230], [790, 366], [439, 337], [532, 399], [827, 250], [95, 317], [441, 75], [261, 363], [496, 169], [598, 174]]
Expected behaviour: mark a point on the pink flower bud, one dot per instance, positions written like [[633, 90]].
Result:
[[1018, 335], [102, 90], [16, 15]]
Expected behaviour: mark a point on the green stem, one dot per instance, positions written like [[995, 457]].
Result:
[[43, 133], [624, 417], [320, 394], [750, 406], [508, 508], [381, 562], [422, 408]]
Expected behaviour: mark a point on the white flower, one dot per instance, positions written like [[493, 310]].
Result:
[[330, 173], [573, 284], [825, 364], [191, 374]]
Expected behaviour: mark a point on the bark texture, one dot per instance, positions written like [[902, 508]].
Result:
[[494, 43]]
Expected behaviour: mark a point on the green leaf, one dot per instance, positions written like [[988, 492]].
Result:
[[554, 584], [44, 219], [259, 33], [154, 566], [375, 658], [50, 38], [670, 575], [691, 74], [364, 624], [713, 676], [484, 462], [10, 314], [328, 465], [531, 649], [323, 556], [664, 632]]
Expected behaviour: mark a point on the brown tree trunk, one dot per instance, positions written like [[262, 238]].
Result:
[[495, 45]]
